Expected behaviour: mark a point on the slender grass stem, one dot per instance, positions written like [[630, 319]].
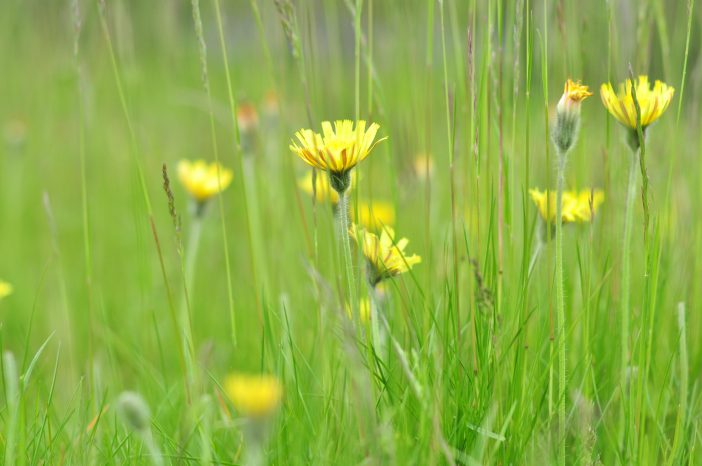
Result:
[[197, 21]]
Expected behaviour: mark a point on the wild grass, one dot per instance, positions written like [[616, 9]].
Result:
[[464, 361]]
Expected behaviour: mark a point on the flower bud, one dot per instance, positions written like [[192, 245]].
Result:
[[134, 411], [565, 130]]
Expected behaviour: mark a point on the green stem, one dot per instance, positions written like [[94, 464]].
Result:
[[343, 219], [626, 270], [560, 310]]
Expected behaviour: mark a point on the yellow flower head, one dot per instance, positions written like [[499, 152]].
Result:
[[254, 396], [573, 94], [653, 102], [376, 215], [338, 149], [386, 258], [200, 178], [576, 206], [323, 191], [364, 309], [5, 289]]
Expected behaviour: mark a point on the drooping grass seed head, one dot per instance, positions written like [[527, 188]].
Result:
[[653, 102], [254, 396], [5, 289], [203, 180], [337, 150], [385, 258], [134, 411], [565, 130]]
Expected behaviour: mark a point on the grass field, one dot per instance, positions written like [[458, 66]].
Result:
[[130, 315]]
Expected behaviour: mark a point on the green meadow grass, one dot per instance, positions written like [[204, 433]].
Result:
[[96, 96]]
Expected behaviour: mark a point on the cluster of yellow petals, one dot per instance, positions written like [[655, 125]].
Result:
[[203, 180], [386, 257], [573, 93], [652, 101], [576, 206], [5, 289], [338, 149], [254, 396]]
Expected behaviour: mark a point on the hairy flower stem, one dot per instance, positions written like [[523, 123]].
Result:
[[343, 221], [626, 264], [193, 248], [560, 309]]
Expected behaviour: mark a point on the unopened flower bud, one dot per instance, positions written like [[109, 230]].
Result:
[[134, 411], [565, 130]]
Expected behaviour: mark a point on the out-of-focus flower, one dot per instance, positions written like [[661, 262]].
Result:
[[14, 133], [364, 311], [255, 396], [246, 118], [423, 166], [576, 206], [271, 107], [5, 289], [203, 180], [376, 215]]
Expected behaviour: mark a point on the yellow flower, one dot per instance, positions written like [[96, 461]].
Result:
[[576, 206], [653, 102], [200, 178], [386, 258], [339, 149], [5, 289], [573, 94], [376, 215], [254, 395], [324, 192], [364, 310], [423, 166]]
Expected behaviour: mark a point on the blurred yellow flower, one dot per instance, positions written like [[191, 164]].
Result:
[[376, 215], [254, 396], [5, 289], [364, 311], [386, 258], [576, 206], [200, 178], [338, 149], [653, 102], [324, 192], [423, 166]]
